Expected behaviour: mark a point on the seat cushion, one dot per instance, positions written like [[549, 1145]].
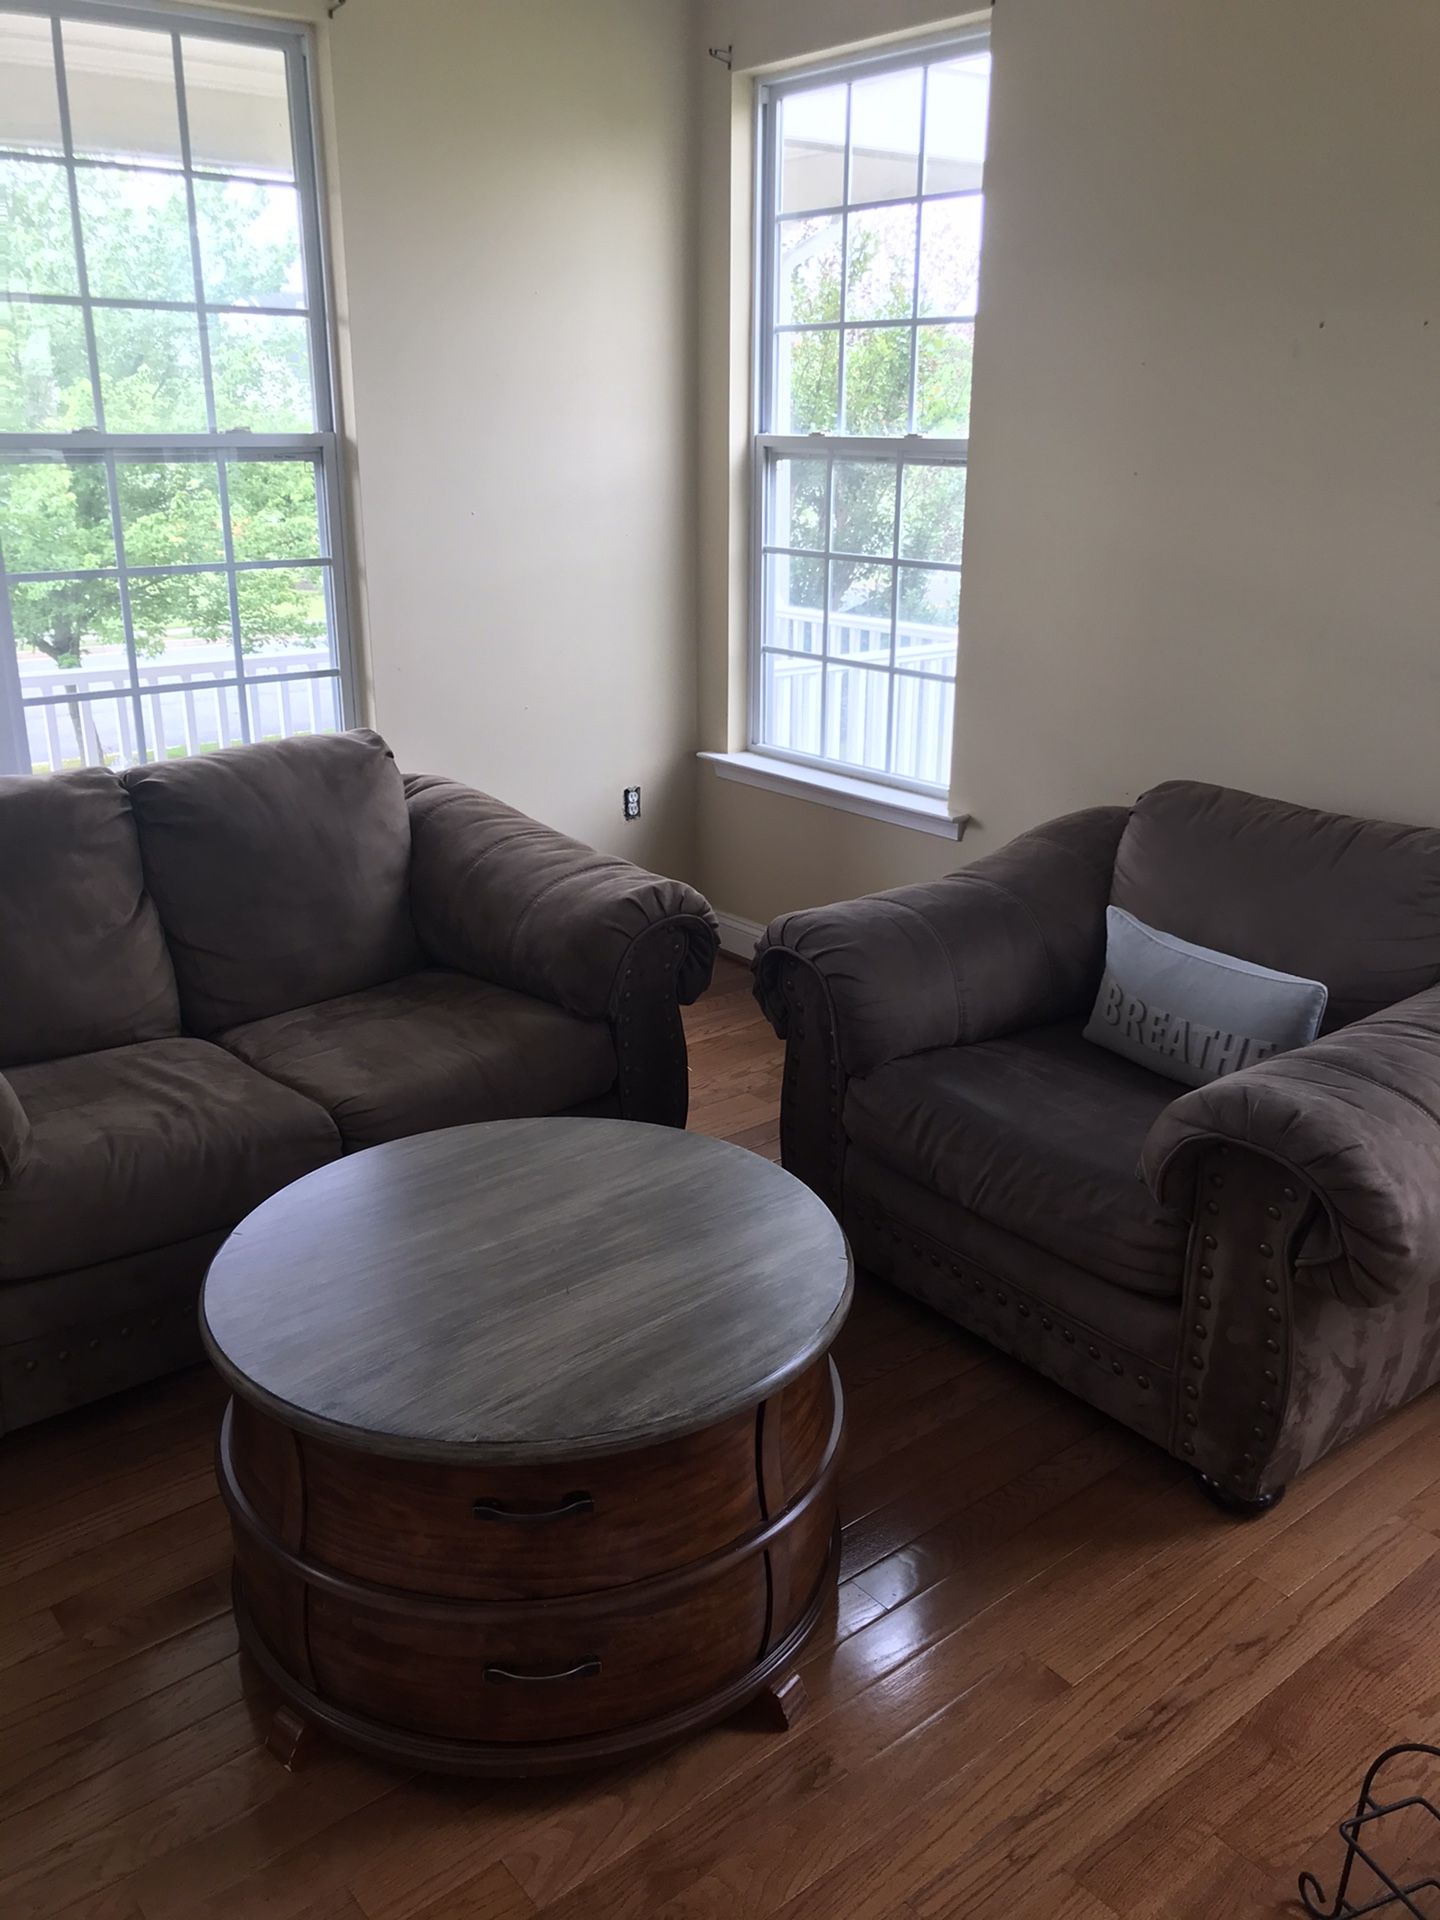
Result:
[[1355, 903], [138, 1147], [82, 958], [435, 1049], [1039, 1134], [281, 873]]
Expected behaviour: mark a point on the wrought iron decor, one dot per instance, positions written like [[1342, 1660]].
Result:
[[1362, 1843]]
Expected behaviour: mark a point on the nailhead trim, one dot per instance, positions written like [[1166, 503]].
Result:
[[876, 1219]]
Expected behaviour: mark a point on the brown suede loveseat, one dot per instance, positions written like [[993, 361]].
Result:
[[217, 974], [1247, 1273]]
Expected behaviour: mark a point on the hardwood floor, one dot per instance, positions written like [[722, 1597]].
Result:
[[1055, 1682]]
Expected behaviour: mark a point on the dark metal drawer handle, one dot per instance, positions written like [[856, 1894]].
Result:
[[572, 1504], [585, 1669]]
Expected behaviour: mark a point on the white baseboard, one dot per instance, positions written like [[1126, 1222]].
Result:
[[738, 937]]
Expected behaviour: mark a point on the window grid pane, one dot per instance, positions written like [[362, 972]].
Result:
[[152, 642], [861, 584], [173, 600], [872, 254]]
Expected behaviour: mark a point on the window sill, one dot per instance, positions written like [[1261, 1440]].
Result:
[[893, 805]]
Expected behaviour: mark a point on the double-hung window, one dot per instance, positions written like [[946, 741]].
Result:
[[170, 577], [870, 220]]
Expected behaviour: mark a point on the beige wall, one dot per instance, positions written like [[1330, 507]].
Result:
[[1204, 532], [1205, 486], [516, 226]]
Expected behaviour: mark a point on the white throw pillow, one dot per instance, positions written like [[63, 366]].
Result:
[[1191, 1013]]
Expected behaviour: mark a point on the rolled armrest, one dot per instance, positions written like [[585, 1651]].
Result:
[[14, 1132], [1016, 939], [1355, 1117], [497, 895]]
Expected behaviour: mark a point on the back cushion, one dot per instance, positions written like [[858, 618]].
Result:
[[83, 964], [1355, 903], [281, 873]]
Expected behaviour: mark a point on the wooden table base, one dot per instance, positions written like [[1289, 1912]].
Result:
[[528, 1620]]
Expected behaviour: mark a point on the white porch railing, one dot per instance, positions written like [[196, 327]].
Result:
[[856, 706], [183, 711]]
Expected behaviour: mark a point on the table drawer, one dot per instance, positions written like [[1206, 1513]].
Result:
[[526, 1532], [536, 1679]]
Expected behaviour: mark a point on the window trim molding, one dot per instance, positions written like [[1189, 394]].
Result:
[[846, 792], [888, 796]]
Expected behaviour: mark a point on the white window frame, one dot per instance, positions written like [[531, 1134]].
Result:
[[792, 770], [320, 447]]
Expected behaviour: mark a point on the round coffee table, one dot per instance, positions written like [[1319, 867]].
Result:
[[532, 1449]]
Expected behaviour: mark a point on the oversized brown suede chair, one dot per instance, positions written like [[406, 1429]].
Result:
[[219, 973], [1248, 1272]]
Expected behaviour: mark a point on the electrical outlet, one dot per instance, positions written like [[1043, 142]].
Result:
[[631, 803]]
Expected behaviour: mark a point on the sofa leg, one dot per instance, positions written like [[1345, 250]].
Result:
[[1236, 1504]]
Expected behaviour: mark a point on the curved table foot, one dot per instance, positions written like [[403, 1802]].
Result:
[[289, 1738], [784, 1702]]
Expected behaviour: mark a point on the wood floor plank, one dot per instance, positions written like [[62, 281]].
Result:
[[30, 1774], [315, 1834], [72, 1662], [1112, 1743], [168, 1553], [1056, 1504], [777, 1851], [1207, 1878], [1055, 1684], [38, 1537], [492, 1895], [106, 1439], [948, 1469], [339, 1906], [1143, 1755], [125, 1685], [75, 1812], [885, 1332]]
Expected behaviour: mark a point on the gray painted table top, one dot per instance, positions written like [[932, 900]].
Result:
[[526, 1290]]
